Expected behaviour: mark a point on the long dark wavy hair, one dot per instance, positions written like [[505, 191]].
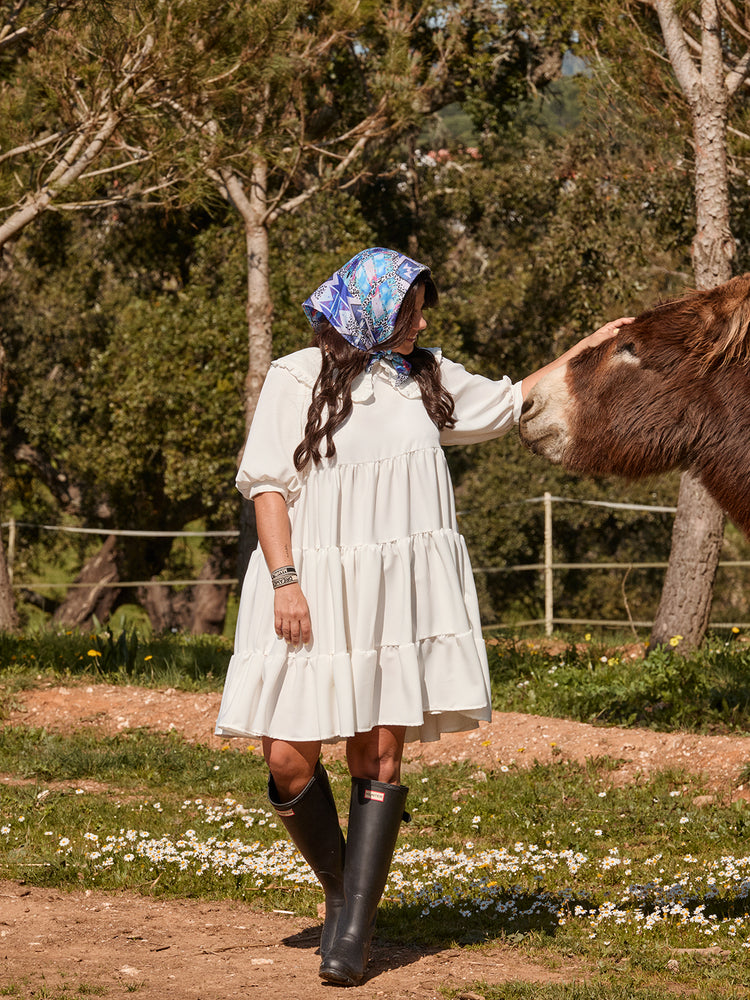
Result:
[[332, 394]]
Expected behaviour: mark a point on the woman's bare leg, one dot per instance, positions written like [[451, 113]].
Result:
[[377, 754], [291, 765]]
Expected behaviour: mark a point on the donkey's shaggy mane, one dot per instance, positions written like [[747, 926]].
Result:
[[713, 325]]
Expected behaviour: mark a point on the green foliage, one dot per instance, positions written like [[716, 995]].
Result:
[[128, 761], [125, 328], [134, 371], [118, 654], [563, 222], [535, 244], [593, 682], [180, 661], [132, 413]]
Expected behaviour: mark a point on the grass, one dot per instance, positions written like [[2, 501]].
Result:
[[707, 690], [602, 991], [637, 884], [593, 680], [128, 761], [193, 663], [65, 991], [556, 860]]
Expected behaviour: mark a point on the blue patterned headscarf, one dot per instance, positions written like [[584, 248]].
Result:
[[362, 300]]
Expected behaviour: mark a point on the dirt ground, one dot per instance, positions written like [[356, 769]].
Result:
[[118, 943]]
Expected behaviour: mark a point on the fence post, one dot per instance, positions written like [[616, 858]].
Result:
[[11, 547], [548, 601]]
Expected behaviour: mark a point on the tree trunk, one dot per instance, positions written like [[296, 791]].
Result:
[[698, 531], [259, 306], [8, 614], [83, 603], [162, 607], [209, 605], [252, 206], [200, 609], [697, 536]]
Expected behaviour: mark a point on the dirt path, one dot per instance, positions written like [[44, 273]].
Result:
[[510, 736], [189, 950], [195, 950]]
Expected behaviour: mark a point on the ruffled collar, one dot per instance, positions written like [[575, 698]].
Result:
[[363, 387]]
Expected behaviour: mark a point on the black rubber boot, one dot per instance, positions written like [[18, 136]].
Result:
[[313, 824], [375, 815]]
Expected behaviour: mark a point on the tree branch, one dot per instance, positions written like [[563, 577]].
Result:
[[83, 150], [712, 61], [31, 147], [737, 76], [132, 198], [322, 184], [731, 15], [68, 494], [10, 35], [115, 167], [679, 55]]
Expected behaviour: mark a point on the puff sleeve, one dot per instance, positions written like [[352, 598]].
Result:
[[277, 428], [485, 409]]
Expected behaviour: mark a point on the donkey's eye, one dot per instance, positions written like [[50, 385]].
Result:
[[626, 354]]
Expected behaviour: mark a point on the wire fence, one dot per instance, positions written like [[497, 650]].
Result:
[[547, 567], [12, 527]]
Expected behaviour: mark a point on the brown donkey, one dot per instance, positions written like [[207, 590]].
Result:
[[671, 390]]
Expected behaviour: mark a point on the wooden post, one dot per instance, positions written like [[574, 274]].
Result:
[[548, 599], [11, 547]]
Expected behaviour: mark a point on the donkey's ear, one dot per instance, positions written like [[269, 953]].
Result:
[[726, 337], [734, 341]]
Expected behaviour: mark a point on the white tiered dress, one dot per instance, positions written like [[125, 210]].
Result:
[[396, 631]]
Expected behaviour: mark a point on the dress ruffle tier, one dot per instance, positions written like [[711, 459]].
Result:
[[389, 597]]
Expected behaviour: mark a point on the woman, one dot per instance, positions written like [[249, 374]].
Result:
[[358, 618]]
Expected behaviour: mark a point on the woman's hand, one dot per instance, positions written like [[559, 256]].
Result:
[[599, 336], [605, 332], [292, 615]]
